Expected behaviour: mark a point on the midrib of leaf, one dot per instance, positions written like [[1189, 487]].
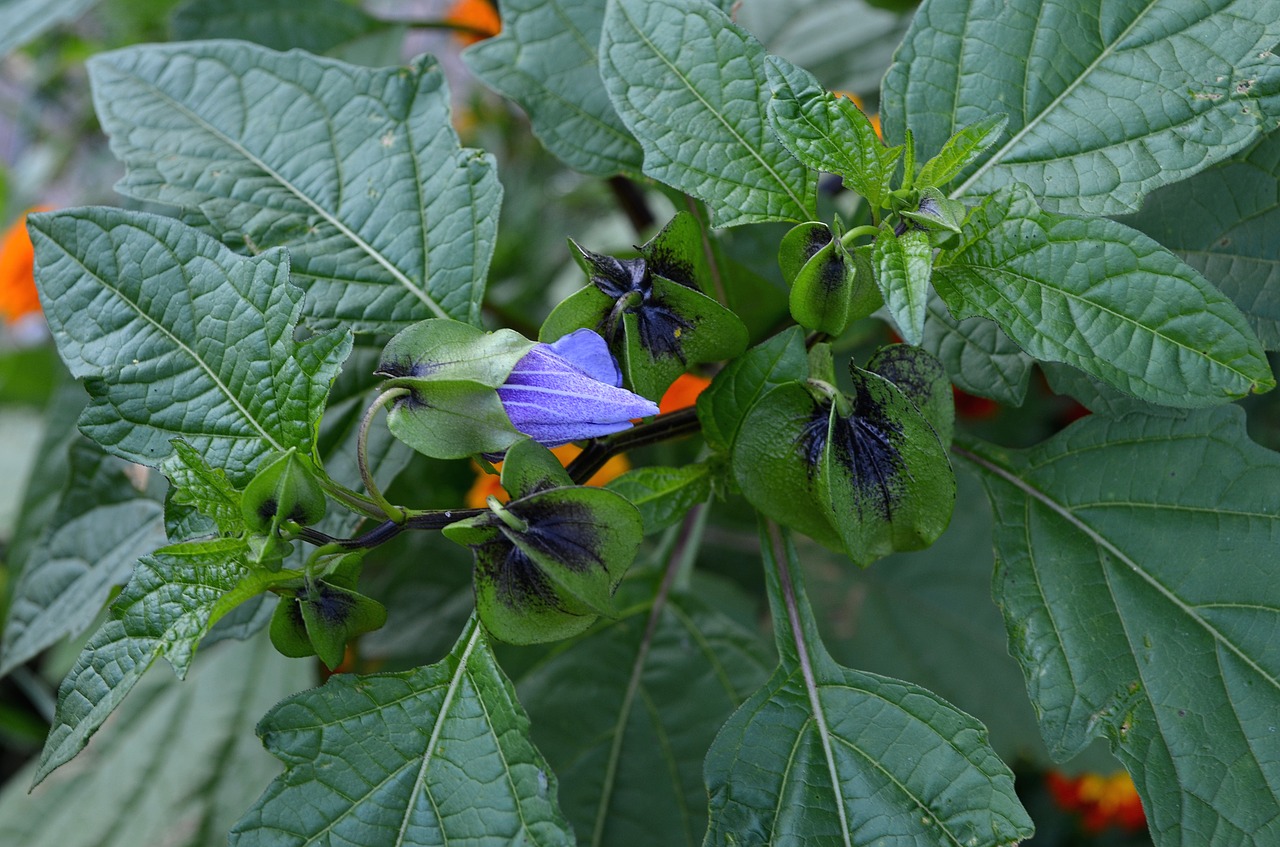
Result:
[[806, 671], [971, 268], [419, 784], [354, 237], [633, 688], [1066, 514], [727, 125], [577, 34], [994, 159], [223, 387]]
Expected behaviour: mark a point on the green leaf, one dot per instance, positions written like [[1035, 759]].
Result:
[[928, 616], [690, 85], [625, 716], [203, 489], [145, 307], [852, 757], [961, 150], [175, 597], [829, 133], [70, 577], [1099, 296], [733, 392], [979, 358], [357, 171], [24, 20], [663, 495], [178, 765], [903, 263], [1147, 93], [435, 755], [318, 27], [545, 59], [1221, 222], [1137, 575]]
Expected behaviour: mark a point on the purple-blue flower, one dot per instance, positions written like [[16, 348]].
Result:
[[570, 390]]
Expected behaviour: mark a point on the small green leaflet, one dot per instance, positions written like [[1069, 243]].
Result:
[[175, 597], [357, 171], [145, 307], [1137, 572], [664, 495], [1104, 298], [823, 752], [903, 263], [1106, 101], [829, 133], [435, 755], [691, 87], [723, 405], [960, 151], [545, 59]]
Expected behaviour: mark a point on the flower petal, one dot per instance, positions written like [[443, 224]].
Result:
[[589, 353]]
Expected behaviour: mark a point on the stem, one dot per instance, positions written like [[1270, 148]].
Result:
[[600, 450], [508, 518], [858, 232], [362, 450], [633, 203], [357, 503]]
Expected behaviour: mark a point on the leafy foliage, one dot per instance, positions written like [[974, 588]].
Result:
[[308, 346], [1149, 634], [455, 720]]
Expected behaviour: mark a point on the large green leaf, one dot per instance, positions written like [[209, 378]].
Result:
[[1138, 577], [978, 356], [174, 598], [67, 581], [176, 336], [723, 405], [1104, 298], [26, 19], [1223, 222], [357, 171], [927, 616], [827, 754], [545, 59], [179, 764], [435, 755], [625, 717], [690, 85], [1106, 101]]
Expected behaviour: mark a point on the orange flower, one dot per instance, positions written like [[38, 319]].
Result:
[[683, 393], [18, 296], [487, 484], [1100, 801], [478, 18]]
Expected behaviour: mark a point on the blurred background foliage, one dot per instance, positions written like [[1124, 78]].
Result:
[[926, 617]]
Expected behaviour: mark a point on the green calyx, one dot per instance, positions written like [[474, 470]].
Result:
[[320, 616], [285, 490]]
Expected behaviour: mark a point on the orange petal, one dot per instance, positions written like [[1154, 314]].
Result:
[[18, 295], [683, 393], [480, 16]]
